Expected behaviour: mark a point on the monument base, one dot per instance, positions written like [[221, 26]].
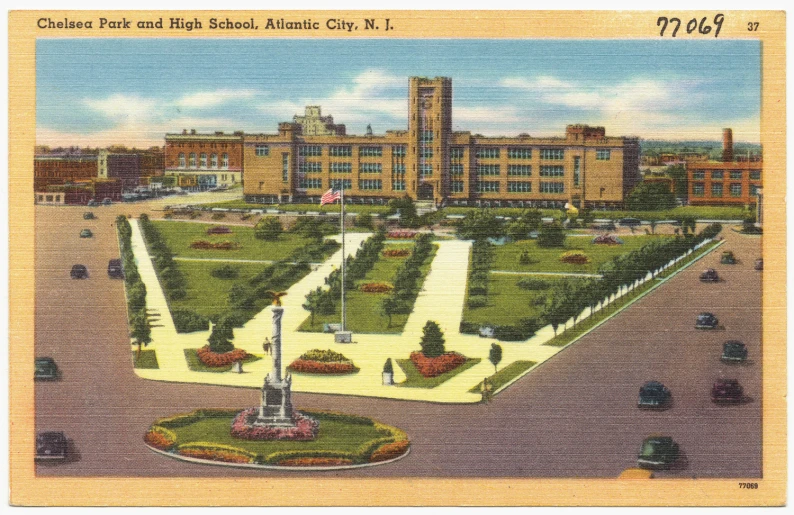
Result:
[[249, 425], [343, 337]]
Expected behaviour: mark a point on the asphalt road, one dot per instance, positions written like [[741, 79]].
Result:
[[575, 416]]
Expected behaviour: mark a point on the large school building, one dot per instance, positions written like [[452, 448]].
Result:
[[431, 162]]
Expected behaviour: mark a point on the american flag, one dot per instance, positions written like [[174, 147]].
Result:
[[329, 197]]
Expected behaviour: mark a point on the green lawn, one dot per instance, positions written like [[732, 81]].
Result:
[[699, 212], [147, 359], [195, 364], [413, 379], [505, 375], [548, 259], [507, 303], [330, 208], [207, 295], [179, 236], [363, 309]]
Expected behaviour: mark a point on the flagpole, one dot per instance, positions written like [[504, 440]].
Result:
[[344, 258]]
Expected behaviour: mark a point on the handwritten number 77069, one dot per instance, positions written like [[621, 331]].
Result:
[[702, 26]]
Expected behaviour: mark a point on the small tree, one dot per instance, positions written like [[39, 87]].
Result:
[[269, 228], [388, 368], [141, 332], [363, 220], [221, 338], [388, 307], [495, 355], [551, 235], [480, 224], [432, 340], [312, 302]]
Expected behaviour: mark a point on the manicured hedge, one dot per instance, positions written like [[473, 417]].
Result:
[[187, 321]]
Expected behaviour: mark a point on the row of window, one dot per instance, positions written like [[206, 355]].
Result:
[[370, 168], [512, 187], [718, 175], [552, 171], [213, 163], [336, 167], [735, 189], [363, 184]]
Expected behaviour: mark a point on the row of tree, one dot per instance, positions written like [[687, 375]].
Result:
[[174, 283], [140, 329], [406, 280], [482, 224]]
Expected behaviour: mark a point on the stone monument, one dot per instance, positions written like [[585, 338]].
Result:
[[276, 409]]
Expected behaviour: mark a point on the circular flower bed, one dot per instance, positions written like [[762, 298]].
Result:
[[390, 451], [243, 427], [607, 239], [318, 361], [575, 257], [396, 252], [376, 287], [432, 367], [214, 359]]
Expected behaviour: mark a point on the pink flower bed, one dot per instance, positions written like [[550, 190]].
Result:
[[243, 427], [432, 367]]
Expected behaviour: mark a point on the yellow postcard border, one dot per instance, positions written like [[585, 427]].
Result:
[[27, 489]]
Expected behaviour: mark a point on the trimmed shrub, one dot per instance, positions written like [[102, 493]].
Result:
[[218, 216], [469, 327], [528, 283], [225, 272], [477, 301], [574, 257], [187, 321], [325, 356], [268, 228]]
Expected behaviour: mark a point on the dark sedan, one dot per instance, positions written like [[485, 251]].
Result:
[[734, 352], [654, 394], [658, 452], [51, 446], [79, 272], [46, 370], [727, 391], [706, 321], [709, 276]]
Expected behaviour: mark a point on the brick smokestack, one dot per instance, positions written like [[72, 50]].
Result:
[[727, 145]]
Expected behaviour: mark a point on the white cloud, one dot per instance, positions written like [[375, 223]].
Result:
[[124, 107], [203, 99]]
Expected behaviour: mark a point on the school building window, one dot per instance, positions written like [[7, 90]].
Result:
[[552, 154], [181, 160], [192, 159], [736, 175], [311, 167], [552, 187], [309, 151], [577, 170], [488, 186], [425, 170], [520, 170], [262, 150], [426, 152], [457, 186], [398, 150], [214, 160], [698, 190], [755, 175], [313, 183], [426, 136], [716, 190], [519, 187], [398, 168], [488, 169], [488, 153], [370, 151], [456, 169], [398, 185], [754, 189], [340, 151], [699, 175], [519, 152], [225, 161], [736, 189], [552, 171], [603, 154], [203, 160], [285, 167], [370, 184], [717, 175], [456, 153], [339, 184], [370, 168], [341, 167]]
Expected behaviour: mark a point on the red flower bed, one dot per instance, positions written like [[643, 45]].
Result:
[[396, 252], [322, 367], [215, 455], [213, 359], [221, 229], [606, 239], [315, 462], [432, 367], [242, 427], [208, 245], [158, 440], [390, 451], [376, 288], [401, 235]]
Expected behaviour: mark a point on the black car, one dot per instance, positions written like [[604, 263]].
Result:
[[706, 321], [114, 269], [46, 370], [88, 215], [728, 258], [79, 272], [759, 264], [630, 222], [658, 452], [654, 394], [727, 391], [709, 276], [733, 351], [51, 446]]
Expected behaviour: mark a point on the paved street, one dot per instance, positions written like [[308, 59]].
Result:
[[575, 416]]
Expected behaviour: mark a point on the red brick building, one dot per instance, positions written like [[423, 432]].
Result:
[[51, 170], [204, 161]]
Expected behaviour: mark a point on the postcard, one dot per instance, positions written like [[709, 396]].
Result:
[[388, 258]]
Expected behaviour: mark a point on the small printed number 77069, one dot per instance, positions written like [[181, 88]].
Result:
[[749, 486]]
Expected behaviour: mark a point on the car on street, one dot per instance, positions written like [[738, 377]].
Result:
[[706, 321], [728, 258], [658, 452], [79, 272], [106, 202], [759, 264], [733, 351], [45, 370], [51, 446], [115, 271], [86, 233], [727, 391], [92, 203], [654, 394], [709, 276], [630, 222], [88, 215]]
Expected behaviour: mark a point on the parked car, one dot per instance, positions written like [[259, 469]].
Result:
[[727, 390], [88, 215], [106, 201], [79, 272], [734, 351], [706, 321], [46, 370], [658, 452], [92, 203], [759, 264], [115, 270], [630, 222], [86, 233], [654, 394], [51, 446], [728, 258], [709, 276]]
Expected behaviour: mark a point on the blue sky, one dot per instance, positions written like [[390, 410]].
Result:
[[131, 91]]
